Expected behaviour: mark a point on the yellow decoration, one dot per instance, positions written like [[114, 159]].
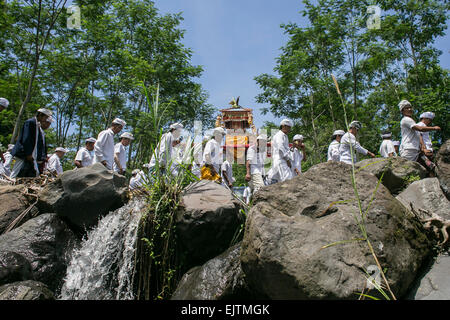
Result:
[[206, 174]]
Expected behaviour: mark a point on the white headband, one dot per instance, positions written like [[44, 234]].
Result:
[[427, 115], [61, 149], [339, 133], [403, 104], [287, 122], [119, 122], [176, 126], [45, 111], [127, 135], [4, 102]]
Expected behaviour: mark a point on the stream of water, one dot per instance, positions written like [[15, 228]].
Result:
[[102, 268]]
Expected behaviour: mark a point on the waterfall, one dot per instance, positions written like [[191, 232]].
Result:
[[102, 268]]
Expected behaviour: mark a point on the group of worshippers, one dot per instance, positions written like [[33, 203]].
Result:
[[415, 144], [28, 156], [286, 160]]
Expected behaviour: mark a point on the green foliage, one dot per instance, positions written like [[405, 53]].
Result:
[[90, 76], [411, 178]]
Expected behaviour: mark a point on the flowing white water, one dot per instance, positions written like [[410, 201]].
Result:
[[102, 268]]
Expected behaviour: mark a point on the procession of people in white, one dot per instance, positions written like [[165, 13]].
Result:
[[210, 163]]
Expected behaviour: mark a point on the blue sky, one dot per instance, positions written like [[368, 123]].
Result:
[[236, 40]]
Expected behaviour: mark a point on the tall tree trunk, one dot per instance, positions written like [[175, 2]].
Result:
[[38, 51], [316, 141], [80, 132]]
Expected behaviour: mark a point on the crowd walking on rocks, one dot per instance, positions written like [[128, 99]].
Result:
[[29, 157]]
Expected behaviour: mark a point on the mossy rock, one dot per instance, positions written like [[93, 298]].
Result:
[[399, 173]]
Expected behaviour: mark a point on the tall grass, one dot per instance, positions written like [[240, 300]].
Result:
[[158, 262], [360, 217]]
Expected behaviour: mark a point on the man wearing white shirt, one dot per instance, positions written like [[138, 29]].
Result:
[[197, 161], [137, 179], [256, 156], [426, 155], [425, 120], [104, 146], [84, 156], [396, 145], [162, 156], [227, 171], [281, 167], [387, 148], [177, 156], [349, 145], [54, 163], [411, 139], [213, 156], [296, 156], [333, 148], [120, 153], [8, 159]]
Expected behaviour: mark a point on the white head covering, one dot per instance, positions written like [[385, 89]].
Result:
[[396, 143], [287, 122], [135, 172], [339, 133], [127, 135], [91, 140], [176, 126], [119, 122], [403, 104], [386, 135], [4, 102], [10, 147], [219, 130], [61, 149], [298, 137], [427, 115], [261, 137], [355, 124], [45, 111]]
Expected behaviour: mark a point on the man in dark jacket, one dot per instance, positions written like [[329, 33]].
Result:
[[30, 150]]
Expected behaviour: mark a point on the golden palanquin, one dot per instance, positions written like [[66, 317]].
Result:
[[237, 120]]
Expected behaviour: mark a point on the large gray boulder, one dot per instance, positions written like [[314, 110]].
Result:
[[207, 221], [435, 282], [220, 278], [12, 204], [427, 199], [443, 167], [284, 253], [398, 172], [45, 242], [84, 195], [26, 290]]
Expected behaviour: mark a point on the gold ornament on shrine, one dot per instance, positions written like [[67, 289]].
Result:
[[237, 120]]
